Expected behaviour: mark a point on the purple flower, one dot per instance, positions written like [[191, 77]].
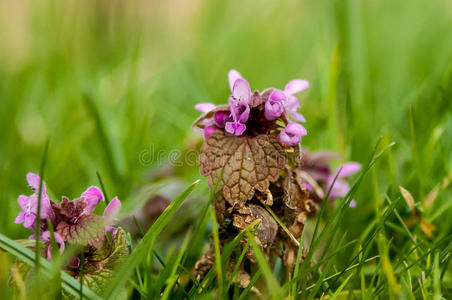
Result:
[[291, 135], [92, 196], [29, 205], [236, 128], [293, 104], [221, 117], [209, 130], [233, 75], [45, 237], [110, 213], [241, 91], [274, 106], [240, 109], [341, 187], [204, 107]]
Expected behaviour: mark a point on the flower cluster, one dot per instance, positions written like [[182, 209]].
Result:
[[256, 113], [318, 176], [73, 220]]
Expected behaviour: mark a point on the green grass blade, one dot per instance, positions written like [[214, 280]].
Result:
[[146, 244], [217, 246], [70, 284], [38, 213], [173, 277], [272, 282]]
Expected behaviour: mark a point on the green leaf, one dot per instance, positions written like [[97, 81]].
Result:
[[100, 268]]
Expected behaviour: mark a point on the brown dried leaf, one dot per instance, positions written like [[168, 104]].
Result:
[[268, 228], [205, 263], [427, 227], [248, 163], [409, 199]]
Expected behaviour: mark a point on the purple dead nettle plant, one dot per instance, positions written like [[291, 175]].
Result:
[[252, 155], [74, 223], [251, 152]]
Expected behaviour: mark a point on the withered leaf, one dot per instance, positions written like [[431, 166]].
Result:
[[268, 228], [246, 163]]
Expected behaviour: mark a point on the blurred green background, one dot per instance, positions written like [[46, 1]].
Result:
[[107, 80]]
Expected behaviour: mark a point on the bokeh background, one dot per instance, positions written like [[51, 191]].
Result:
[[111, 81]]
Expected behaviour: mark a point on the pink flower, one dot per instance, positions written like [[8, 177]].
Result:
[[209, 130], [341, 187], [236, 128], [204, 107], [293, 104], [110, 213], [291, 134], [92, 196], [29, 205], [274, 106], [240, 111], [221, 117], [46, 238], [239, 105], [233, 75]]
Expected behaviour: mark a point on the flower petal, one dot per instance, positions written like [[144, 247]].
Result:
[[92, 196], [241, 90], [23, 202], [339, 189], [274, 106], [292, 104], [308, 186], [111, 211], [33, 181], [233, 75], [29, 220], [221, 117], [235, 128], [209, 130], [20, 218], [292, 133], [298, 117], [296, 86], [59, 240], [348, 169], [277, 95], [204, 107], [240, 110]]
